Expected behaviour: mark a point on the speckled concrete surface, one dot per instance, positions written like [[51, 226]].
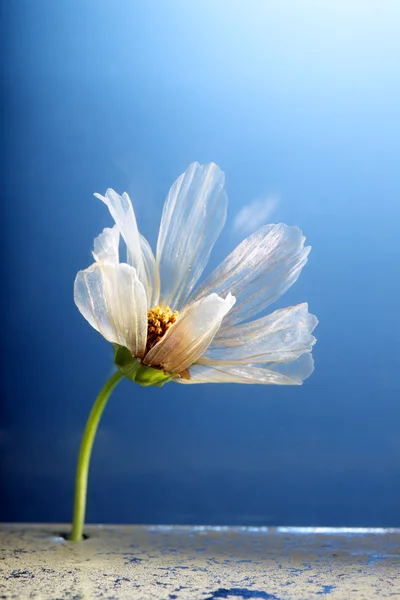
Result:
[[205, 563]]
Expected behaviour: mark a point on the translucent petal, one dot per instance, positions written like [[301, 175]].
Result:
[[193, 217], [122, 212], [190, 336], [106, 246], [290, 373], [113, 300], [258, 271], [152, 273], [281, 336]]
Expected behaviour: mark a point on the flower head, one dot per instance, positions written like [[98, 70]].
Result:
[[163, 327]]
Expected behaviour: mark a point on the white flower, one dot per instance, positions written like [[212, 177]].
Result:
[[150, 305]]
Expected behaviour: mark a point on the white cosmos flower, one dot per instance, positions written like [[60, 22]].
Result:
[[151, 306]]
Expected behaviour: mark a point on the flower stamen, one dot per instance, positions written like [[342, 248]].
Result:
[[159, 320]]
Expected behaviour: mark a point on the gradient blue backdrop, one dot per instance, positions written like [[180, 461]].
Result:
[[295, 101]]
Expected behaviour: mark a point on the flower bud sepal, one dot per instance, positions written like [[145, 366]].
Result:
[[136, 371]]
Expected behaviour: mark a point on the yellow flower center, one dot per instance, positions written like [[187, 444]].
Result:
[[159, 320]]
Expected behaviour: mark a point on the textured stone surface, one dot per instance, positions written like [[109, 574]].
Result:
[[205, 563]]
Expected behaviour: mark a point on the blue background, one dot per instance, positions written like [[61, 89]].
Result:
[[296, 101]]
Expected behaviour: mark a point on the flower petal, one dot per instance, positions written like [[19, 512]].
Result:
[[113, 300], [122, 212], [189, 337], [281, 336], [106, 246], [258, 271], [193, 217], [290, 373], [152, 273]]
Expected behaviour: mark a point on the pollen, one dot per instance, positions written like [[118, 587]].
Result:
[[159, 320]]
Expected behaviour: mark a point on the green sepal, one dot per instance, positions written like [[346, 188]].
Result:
[[135, 371]]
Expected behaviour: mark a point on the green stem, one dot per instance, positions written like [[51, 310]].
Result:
[[85, 452]]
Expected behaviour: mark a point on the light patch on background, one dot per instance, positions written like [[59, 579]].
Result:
[[256, 213]]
